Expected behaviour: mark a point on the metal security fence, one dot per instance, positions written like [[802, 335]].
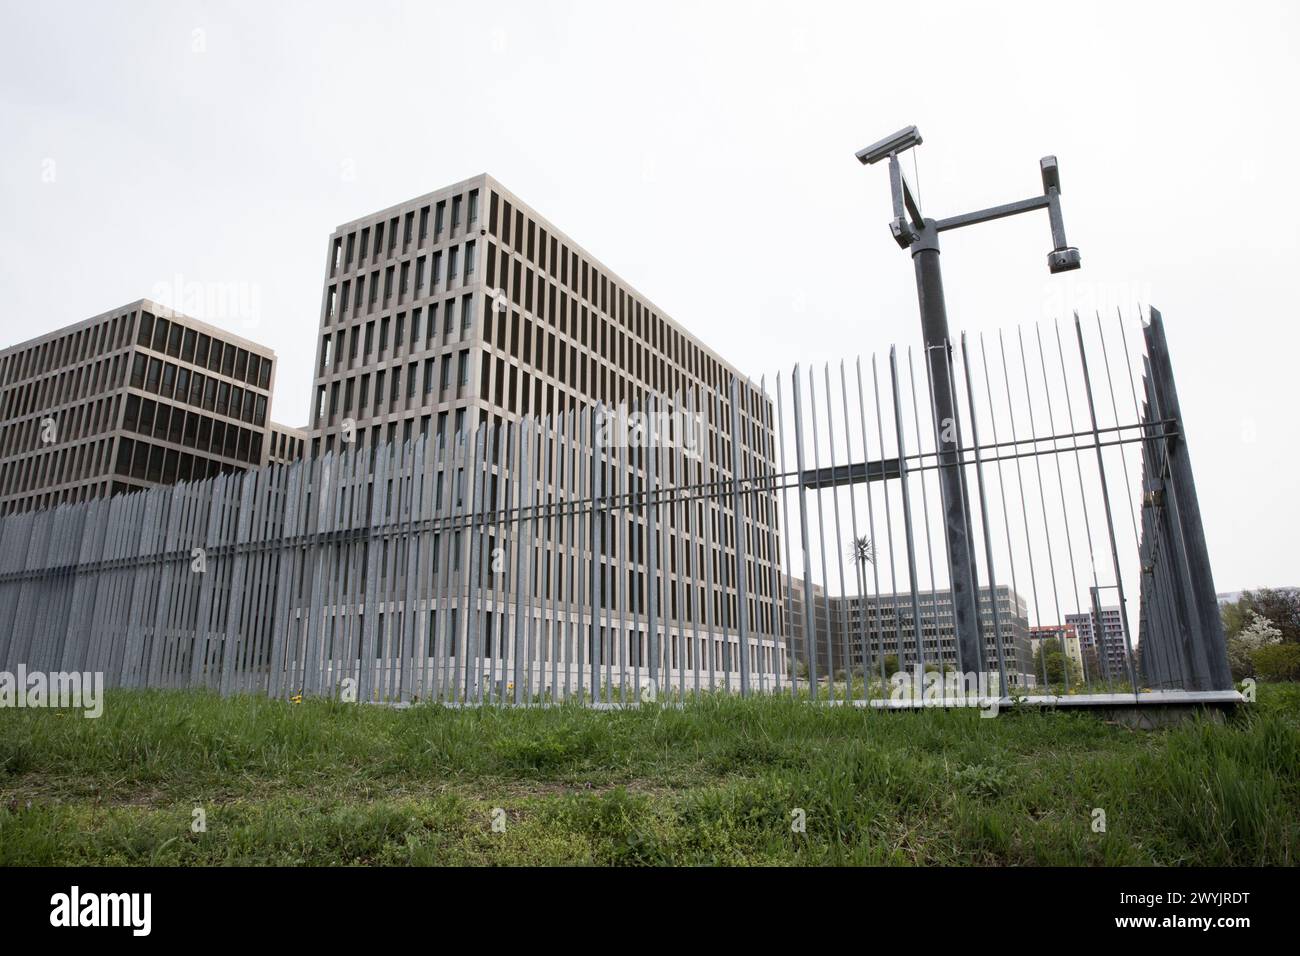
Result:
[[795, 541], [1181, 632]]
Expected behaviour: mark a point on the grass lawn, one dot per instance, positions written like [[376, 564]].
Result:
[[718, 782]]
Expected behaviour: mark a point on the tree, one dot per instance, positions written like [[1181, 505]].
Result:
[[1050, 658], [1243, 646], [1280, 606], [1278, 662]]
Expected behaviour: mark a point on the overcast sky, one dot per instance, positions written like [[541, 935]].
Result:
[[201, 153]]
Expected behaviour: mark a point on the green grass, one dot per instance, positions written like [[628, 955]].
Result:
[[717, 782]]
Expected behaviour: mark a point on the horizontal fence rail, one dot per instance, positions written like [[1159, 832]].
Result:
[[736, 539]]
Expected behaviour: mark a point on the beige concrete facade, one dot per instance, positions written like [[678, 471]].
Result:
[[134, 397], [464, 307]]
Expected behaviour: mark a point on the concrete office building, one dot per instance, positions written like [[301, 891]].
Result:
[[1107, 658], [135, 397], [885, 623], [465, 307]]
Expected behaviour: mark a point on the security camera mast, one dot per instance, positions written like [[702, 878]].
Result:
[[912, 230]]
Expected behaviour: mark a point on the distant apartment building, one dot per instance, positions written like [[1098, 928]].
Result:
[[1105, 656], [134, 397], [465, 308]]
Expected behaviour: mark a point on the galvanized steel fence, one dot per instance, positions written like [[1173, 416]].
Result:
[[790, 541]]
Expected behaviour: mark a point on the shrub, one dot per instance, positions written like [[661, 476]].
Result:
[[1277, 661]]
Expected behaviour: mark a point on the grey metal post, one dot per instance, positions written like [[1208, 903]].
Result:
[[1186, 511], [739, 528], [984, 520], [956, 509], [909, 537], [1110, 523], [810, 635]]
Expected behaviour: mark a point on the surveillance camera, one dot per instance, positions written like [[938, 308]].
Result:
[[903, 139], [1063, 260]]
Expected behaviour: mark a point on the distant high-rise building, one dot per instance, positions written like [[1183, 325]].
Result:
[[886, 625], [1107, 658], [464, 308], [134, 397]]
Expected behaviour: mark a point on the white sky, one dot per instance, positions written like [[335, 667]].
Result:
[[704, 151]]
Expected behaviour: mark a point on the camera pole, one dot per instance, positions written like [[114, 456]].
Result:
[[913, 231], [952, 486]]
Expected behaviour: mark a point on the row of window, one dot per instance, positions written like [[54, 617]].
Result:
[[197, 390], [145, 461], [357, 246], [81, 345], [198, 348], [390, 395], [92, 376], [362, 293], [57, 464], [284, 446], [358, 344], [375, 437], [69, 424], [193, 430]]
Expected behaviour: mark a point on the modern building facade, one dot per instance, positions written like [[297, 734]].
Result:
[[1104, 652], [134, 397], [464, 308], [887, 625], [884, 626]]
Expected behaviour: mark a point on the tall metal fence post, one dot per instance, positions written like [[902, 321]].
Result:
[[1210, 669]]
